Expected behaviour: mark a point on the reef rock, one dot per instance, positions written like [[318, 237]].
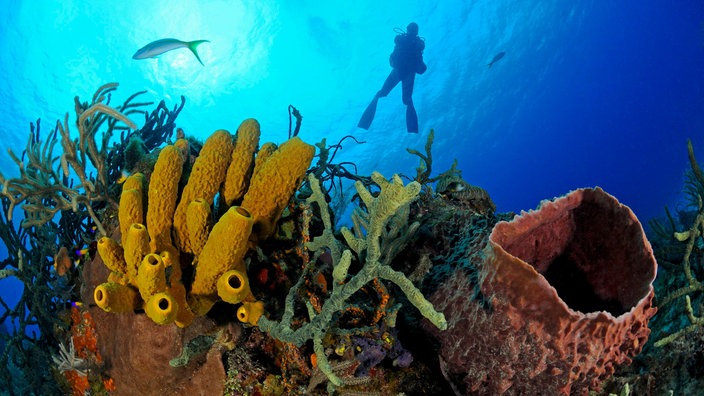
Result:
[[557, 299], [137, 351]]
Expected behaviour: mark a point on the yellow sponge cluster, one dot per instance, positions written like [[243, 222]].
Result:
[[273, 184], [164, 231]]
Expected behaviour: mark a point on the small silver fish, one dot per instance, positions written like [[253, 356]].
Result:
[[158, 47]]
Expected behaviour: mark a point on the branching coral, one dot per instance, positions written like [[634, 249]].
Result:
[[426, 160], [329, 173], [425, 167], [45, 184], [75, 182], [381, 213], [25, 351], [343, 370], [67, 360], [84, 175], [450, 183], [693, 238]]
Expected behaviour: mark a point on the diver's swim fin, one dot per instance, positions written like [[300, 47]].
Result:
[[411, 119], [368, 116]]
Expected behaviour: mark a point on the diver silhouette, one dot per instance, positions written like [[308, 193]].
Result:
[[406, 60]]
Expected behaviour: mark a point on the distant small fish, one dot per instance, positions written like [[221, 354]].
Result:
[[455, 187], [497, 57], [123, 176], [62, 262], [158, 47], [82, 252]]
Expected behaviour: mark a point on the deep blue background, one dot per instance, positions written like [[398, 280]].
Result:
[[589, 92]]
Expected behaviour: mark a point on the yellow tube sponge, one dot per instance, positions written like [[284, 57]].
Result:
[[250, 312], [233, 286], [151, 277], [115, 297], [136, 247], [183, 146], [263, 154], [112, 254], [161, 308], [184, 316], [279, 177], [171, 262], [204, 182], [162, 195], [197, 219], [240, 168], [135, 181], [118, 277], [224, 251], [131, 210]]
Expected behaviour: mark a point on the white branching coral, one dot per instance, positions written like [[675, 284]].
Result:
[[68, 361]]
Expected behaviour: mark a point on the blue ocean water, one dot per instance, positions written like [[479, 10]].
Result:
[[589, 92]]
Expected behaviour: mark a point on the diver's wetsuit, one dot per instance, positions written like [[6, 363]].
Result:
[[406, 60]]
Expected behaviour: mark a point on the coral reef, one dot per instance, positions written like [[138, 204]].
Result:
[[32, 322], [454, 187], [81, 364], [79, 183], [217, 268]]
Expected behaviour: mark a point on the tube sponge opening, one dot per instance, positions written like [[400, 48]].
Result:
[[161, 308], [112, 254], [151, 276], [115, 297], [233, 286], [224, 251], [250, 312], [136, 246]]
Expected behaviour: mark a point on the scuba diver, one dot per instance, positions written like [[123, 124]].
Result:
[[406, 60]]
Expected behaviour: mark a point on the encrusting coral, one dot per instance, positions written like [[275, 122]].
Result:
[[147, 266]]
